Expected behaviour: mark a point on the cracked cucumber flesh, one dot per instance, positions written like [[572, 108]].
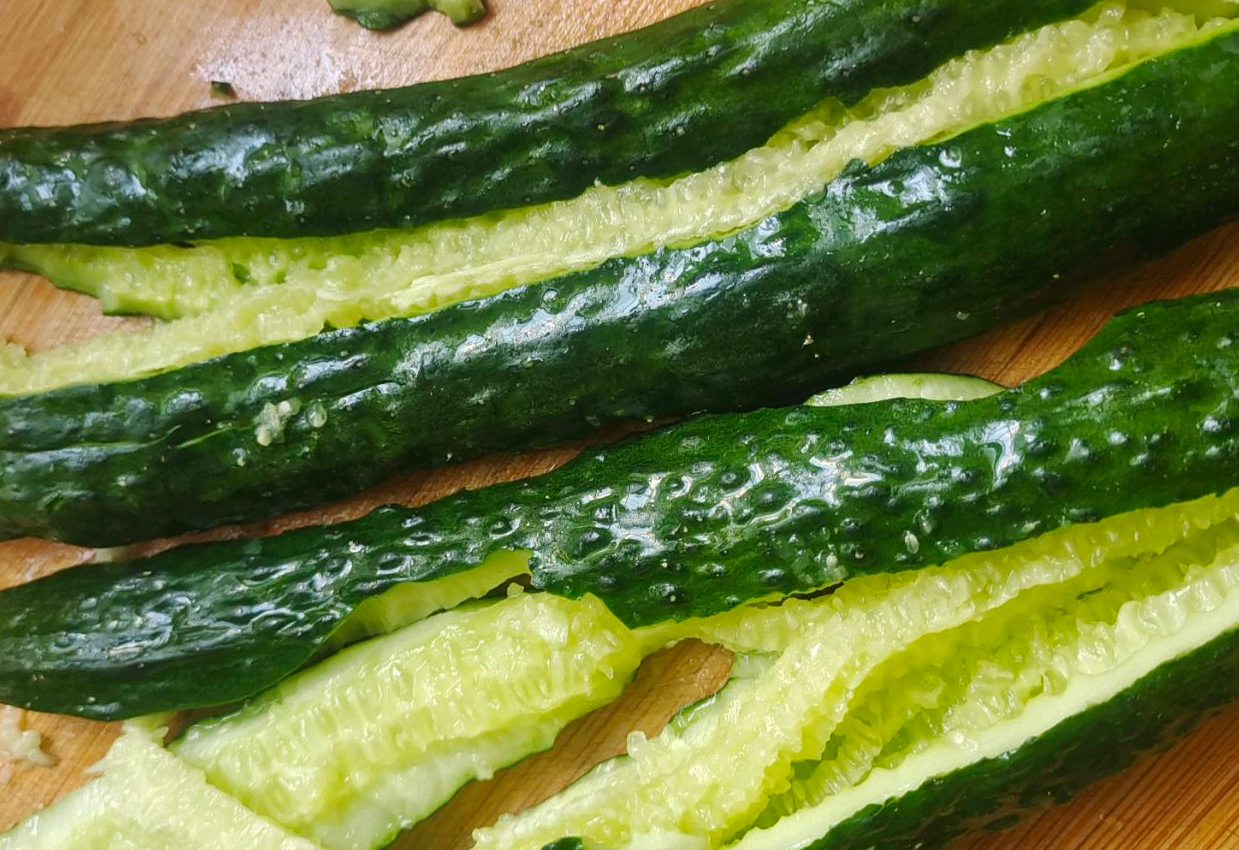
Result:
[[341, 281], [657, 102], [373, 740], [258, 433], [148, 799], [686, 522], [900, 722], [386, 14]]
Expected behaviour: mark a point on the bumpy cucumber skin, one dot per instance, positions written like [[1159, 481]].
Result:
[[932, 245], [658, 102], [688, 521], [1103, 740]]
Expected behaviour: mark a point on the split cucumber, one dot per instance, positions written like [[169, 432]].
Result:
[[682, 523], [934, 243], [373, 740], [655, 103], [898, 709], [906, 712]]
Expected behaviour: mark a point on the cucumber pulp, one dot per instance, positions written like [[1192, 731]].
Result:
[[147, 799], [929, 386], [406, 604], [244, 293], [894, 681], [371, 741]]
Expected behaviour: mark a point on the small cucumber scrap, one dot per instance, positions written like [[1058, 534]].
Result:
[[148, 799], [387, 14]]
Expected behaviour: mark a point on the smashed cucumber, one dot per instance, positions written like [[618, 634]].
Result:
[[906, 711], [656, 102], [339, 281], [685, 522]]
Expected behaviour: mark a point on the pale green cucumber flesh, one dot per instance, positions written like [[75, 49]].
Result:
[[147, 799], [239, 294], [406, 604], [931, 386], [366, 744]]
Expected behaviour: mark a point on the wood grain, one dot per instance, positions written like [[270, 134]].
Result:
[[85, 60]]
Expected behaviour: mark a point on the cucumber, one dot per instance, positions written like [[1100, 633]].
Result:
[[373, 740], [901, 721], [1001, 234], [657, 102], [230, 285], [685, 522], [147, 799], [387, 14]]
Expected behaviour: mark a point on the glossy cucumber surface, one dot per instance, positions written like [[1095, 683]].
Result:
[[688, 521], [658, 102], [934, 244]]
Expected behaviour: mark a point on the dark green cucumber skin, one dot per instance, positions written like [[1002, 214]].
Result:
[[933, 245], [687, 521], [997, 793], [1103, 740], [658, 102]]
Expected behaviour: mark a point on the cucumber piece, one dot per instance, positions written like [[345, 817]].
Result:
[[1001, 234], [387, 14], [685, 522], [658, 102], [934, 387], [862, 722], [337, 282], [147, 799], [368, 743]]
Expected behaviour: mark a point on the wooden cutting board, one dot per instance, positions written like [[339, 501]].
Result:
[[68, 61]]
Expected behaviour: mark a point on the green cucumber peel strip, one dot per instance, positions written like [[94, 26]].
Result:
[[685, 522], [946, 227], [665, 97]]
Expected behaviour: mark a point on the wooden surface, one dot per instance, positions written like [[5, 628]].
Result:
[[85, 60]]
